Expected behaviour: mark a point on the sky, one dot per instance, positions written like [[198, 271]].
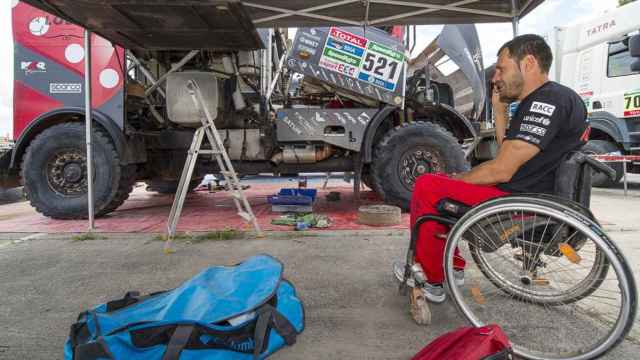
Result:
[[540, 21]]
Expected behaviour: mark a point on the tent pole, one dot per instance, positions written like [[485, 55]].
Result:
[[515, 19], [87, 119]]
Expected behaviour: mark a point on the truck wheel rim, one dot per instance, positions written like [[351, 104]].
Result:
[[416, 162], [67, 172]]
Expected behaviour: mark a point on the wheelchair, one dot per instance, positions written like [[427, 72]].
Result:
[[538, 265]]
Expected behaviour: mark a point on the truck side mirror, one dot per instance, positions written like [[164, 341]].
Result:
[[634, 51]]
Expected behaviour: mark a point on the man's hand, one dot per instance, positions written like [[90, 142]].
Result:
[[500, 114], [498, 106]]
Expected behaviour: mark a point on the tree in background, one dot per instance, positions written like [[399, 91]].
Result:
[[624, 2]]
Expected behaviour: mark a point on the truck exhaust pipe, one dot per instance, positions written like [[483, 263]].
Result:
[[302, 155]]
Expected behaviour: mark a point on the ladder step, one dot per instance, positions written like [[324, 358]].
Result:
[[230, 174], [214, 152], [246, 216]]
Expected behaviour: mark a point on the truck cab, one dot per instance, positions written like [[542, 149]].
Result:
[[594, 59]]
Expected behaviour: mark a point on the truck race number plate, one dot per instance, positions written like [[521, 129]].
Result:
[[632, 104], [362, 59], [369, 62]]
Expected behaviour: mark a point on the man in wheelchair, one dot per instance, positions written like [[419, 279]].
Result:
[[550, 122]]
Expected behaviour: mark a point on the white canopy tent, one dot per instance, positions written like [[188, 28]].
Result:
[[220, 25]]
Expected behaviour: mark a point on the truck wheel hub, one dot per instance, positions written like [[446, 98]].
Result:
[[72, 173], [416, 162], [66, 173]]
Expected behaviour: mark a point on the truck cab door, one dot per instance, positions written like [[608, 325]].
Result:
[[587, 80]]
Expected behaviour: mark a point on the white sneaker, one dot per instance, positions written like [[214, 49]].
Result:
[[399, 267]]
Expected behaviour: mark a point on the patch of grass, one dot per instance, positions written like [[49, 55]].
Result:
[[87, 237], [177, 237], [226, 234]]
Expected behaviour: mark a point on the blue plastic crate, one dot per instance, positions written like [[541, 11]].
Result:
[[299, 192], [304, 197]]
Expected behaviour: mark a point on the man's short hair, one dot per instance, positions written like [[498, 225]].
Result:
[[530, 44]]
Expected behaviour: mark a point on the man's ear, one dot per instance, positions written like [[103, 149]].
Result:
[[530, 63]]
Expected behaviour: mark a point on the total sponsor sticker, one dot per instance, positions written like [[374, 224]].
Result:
[[349, 37]]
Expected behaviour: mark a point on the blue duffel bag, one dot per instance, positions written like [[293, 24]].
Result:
[[247, 311]]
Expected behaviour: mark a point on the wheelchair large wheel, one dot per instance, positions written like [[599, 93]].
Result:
[[546, 273], [529, 232]]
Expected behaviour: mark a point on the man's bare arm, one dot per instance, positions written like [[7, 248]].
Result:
[[511, 156]]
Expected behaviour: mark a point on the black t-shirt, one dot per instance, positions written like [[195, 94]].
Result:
[[553, 118]]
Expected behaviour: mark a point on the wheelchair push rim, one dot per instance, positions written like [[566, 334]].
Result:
[[614, 260]]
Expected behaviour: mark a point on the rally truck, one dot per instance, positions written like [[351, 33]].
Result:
[[330, 99], [594, 59]]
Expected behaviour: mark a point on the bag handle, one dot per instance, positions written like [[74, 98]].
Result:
[[178, 341], [270, 316]]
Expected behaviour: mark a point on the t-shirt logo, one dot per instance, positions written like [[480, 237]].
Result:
[[542, 108]]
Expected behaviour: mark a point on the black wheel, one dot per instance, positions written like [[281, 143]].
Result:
[[54, 173], [603, 147], [169, 186], [128, 180], [411, 150], [528, 266]]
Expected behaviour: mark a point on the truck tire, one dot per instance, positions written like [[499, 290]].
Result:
[[54, 173], [411, 150], [603, 147], [169, 186], [129, 177]]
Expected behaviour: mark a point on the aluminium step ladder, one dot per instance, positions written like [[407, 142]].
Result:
[[217, 151]]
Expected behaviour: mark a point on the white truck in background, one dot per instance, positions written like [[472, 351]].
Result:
[[594, 59]]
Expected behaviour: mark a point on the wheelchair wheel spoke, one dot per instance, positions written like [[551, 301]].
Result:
[[537, 253]]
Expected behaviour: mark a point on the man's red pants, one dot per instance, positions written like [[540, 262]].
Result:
[[430, 189]]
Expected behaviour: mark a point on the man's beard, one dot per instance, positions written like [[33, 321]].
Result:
[[510, 91]]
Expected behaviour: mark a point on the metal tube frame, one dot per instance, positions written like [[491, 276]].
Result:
[[274, 82], [424, 9], [88, 132], [173, 69], [515, 17], [145, 72]]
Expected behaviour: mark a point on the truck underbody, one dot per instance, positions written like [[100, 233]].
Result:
[[334, 99]]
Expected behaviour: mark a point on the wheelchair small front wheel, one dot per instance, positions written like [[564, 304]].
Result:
[[547, 274]]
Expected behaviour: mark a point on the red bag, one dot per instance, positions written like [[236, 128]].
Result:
[[469, 343]]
